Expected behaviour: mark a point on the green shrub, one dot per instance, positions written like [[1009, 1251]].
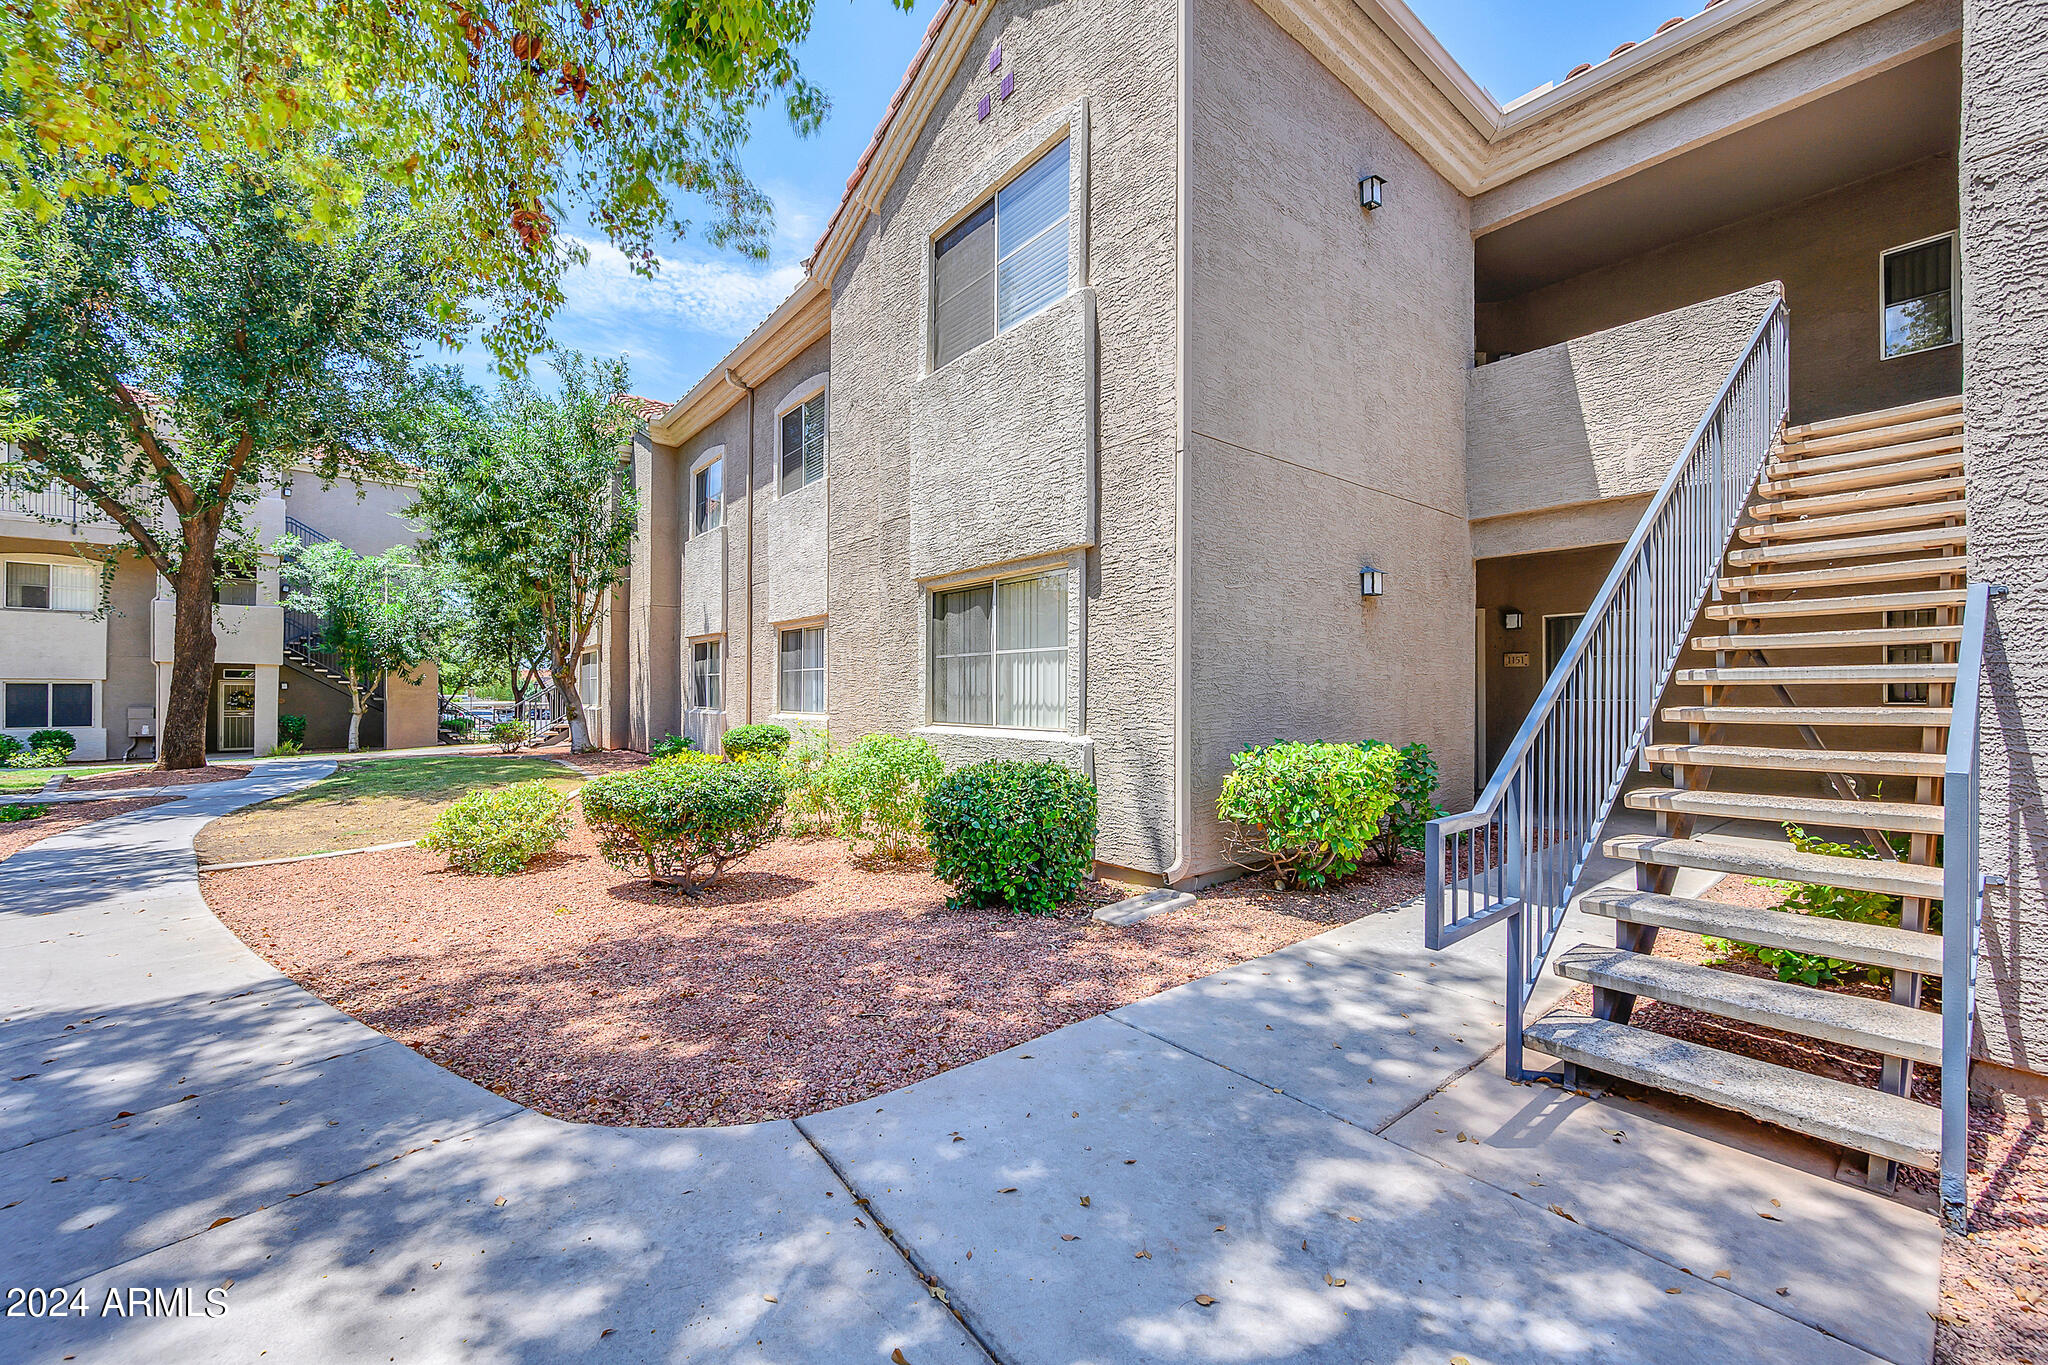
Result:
[[668, 746], [292, 730], [677, 757], [9, 747], [458, 725], [1825, 902], [13, 814], [501, 829], [510, 734], [286, 748], [683, 823], [1407, 820], [755, 741], [1012, 833], [877, 788], [46, 757], [1307, 813], [53, 739], [805, 797]]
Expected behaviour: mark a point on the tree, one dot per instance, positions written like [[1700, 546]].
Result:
[[381, 615], [495, 633], [172, 360], [530, 496], [510, 112]]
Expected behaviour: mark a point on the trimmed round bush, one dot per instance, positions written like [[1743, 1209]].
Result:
[[1307, 813], [668, 746], [292, 730], [9, 747], [878, 788], [53, 739], [682, 824], [755, 741], [499, 830], [510, 734], [1010, 833]]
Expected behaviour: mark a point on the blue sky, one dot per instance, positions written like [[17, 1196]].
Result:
[[676, 327]]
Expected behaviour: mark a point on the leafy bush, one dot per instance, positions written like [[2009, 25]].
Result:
[[47, 757], [684, 756], [805, 797], [292, 730], [668, 746], [755, 741], [1012, 833], [9, 747], [501, 829], [684, 823], [13, 814], [1307, 813], [285, 748], [510, 734], [878, 787], [1826, 902], [458, 725], [1415, 784], [53, 739]]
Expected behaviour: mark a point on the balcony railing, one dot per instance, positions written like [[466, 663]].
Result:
[[56, 505]]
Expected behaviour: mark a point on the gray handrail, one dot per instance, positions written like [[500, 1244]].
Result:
[[1525, 841], [1962, 905]]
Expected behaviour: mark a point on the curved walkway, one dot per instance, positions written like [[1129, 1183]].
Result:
[[180, 1117]]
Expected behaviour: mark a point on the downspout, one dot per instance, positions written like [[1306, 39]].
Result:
[[1183, 762], [747, 692]]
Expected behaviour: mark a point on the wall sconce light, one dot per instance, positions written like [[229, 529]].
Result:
[[1510, 618], [1371, 582], [1369, 192]]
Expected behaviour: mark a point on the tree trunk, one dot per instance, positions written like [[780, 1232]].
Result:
[[181, 735], [579, 732], [355, 717]]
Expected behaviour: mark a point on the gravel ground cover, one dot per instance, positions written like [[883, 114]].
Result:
[[18, 835], [797, 983], [145, 778]]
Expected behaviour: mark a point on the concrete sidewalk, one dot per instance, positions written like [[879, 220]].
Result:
[[1316, 1141]]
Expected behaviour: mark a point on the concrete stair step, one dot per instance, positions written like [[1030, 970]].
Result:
[[1889, 1126], [1903, 717], [1852, 547], [1920, 460], [1873, 945], [1764, 758], [1810, 443], [1829, 639], [1951, 406], [1830, 812], [1862, 499], [1850, 1020], [1817, 673], [1785, 864], [1836, 606], [1894, 571], [1854, 523]]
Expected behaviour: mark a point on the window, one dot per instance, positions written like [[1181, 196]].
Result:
[[586, 679], [33, 706], [1918, 283], [802, 673], [1004, 261], [1557, 637], [50, 587], [1907, 694], [803, 445], [707, 494], [704, 676], [999, 653], [234, 592]]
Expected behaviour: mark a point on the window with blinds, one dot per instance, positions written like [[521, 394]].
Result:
[[999, 653], [803, 445], [801, 677], [51, 587], [1918, 284], [1004, 262], [705, 676]]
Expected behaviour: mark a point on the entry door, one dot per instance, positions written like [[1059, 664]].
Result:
[[236, 697]]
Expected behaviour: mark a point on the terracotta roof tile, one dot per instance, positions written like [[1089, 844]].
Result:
[[1673, 22]]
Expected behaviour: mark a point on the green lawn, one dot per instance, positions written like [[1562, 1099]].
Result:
[[32, 779]]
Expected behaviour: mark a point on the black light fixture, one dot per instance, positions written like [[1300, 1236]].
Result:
[[1371, 582], [1510, 618], [1369, 192]]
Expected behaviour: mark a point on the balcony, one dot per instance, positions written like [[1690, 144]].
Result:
[[55, 513]]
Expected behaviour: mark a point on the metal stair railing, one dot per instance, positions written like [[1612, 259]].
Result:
[[1962, 906], [1516, 855], [303, 630]]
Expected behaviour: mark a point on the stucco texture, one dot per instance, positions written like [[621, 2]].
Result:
[[1327, 362]]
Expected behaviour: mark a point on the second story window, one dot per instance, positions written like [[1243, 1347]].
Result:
[[707, 493], [803, 445], [1919, 289], [1004, 261], [50, 587]]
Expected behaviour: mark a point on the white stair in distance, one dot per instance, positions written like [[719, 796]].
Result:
[[1836, 606], [1873, 945], [1879, 495], [1904, 817], [1842, 575], [1853, 523], [1949, 406], [1801, 443], [1733, 643], [1876, 762], [1779, 864], [1818, 673], [1921, 460], [1905, 717], [1851, 547]]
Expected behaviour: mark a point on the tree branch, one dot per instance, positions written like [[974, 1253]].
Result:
[[181, 494], [144, 539]]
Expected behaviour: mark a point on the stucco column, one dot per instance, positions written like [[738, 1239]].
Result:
[[654, 640], [266, 708], [2005, 359]]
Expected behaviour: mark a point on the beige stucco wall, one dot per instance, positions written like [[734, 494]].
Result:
[[1826, 252], [1556, 584], [2005, 261], [1327, 361], [653, 593], [369, 518]]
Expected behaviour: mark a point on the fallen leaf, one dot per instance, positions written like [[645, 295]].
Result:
[[499, 1201], [1142, 1256], [1333, 1281], [606, 1332], [1068, 1237], [1558, 1209], [218, 1221], [1772, 1216], [771, 1298], [1674, 1291], [896, 1357], [1728, 1275], [1084, 1201], [1204, 1300]]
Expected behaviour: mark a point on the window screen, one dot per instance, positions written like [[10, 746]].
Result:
[[1919, 284], [28, 585], [999, 654], [71, 704], [803, 445], [1004, 262], [28, 706], [704, 676], [802, 673], [235, 592], [709, 494]]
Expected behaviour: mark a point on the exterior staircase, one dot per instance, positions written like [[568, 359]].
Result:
[[1834, 639]]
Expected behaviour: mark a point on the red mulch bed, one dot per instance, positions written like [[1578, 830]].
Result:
[[18, 835], [797, 983], [151, 777]]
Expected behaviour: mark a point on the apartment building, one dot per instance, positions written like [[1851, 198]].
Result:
[[87, 648], [1178, 375]]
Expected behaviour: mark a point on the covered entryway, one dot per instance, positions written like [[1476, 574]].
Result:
[[234, 711]]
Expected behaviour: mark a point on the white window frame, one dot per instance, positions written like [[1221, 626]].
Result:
[[713, 456], [1955, 295], [1549, 663], [53, 562], [49, 721], [816, 387], [993, 583], [590, 677], [783, 628], [716, 644]]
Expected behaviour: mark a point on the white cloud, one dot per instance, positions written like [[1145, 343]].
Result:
[[724, 297]]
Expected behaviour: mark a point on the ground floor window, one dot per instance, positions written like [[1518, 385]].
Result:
[[704, 676], [1908, 694], [40, 705], [586, 678], [801, 676], [999, 653], [1557, 637]]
